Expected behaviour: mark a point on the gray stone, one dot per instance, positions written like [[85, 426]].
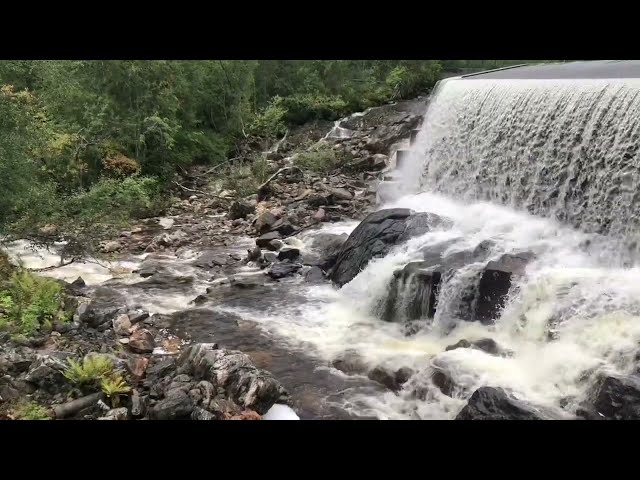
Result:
[[264, 240], [248, 386], [281, 270], [116, 414], [240, 209], [121, 325], [175, 406]]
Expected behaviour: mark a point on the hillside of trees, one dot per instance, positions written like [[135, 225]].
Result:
[[88, 142]]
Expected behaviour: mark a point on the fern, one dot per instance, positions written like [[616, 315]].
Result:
[[92, 369], [113, 387]]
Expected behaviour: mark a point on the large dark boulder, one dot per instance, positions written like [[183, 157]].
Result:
[[488, 403], [616, 397], [105, 305], [375, 236]]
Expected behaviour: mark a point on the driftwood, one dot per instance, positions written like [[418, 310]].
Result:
[[190, 189], [73, 407], [262, 189]]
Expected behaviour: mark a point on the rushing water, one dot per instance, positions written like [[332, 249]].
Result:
[[491, 156]]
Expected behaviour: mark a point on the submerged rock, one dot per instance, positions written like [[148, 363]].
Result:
[[488, 403], [616, 397]]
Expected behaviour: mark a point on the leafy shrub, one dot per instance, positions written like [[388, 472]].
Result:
[[321, 160], [245, 179], [115, 200], [92, 369], [30, 411], [119, 165], [307, 107], [270, 122], [31, 302]]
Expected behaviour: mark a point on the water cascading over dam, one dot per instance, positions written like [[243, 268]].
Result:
[[557, 140]]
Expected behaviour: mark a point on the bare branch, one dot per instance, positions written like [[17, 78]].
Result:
[[284, 169]]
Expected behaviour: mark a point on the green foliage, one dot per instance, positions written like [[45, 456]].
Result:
[[115, 199], [113, 387], [71, 130], [245, 179], [93, 369], [270, 122], [321, 160], [31, 302], [28, 410]]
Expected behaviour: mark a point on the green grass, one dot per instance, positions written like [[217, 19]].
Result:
[[29, 410]]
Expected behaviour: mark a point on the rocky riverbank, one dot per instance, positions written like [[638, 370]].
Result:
[[118, 359]]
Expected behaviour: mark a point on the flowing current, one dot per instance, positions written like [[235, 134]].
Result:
[[546, 166]]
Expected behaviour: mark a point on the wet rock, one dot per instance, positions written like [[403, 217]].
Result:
[[282, 270], [460, 344], [349, 362], [339, 193], [288, 253], [264, 240], [616, 397], [211, 259], [138, 316], [314, 275], [284, 228], [443, 381], [385, 377], [142, 341], [121, 325], [403, 375], [487, 345], [488, 403], [325, 248], [248, 386], [78, 283], [275, 245], [116, 414], [375, 236], [320, 215], [270, 257], [264, 222], [176, 405], [151, 267], [254, 254], [105, 304], [247, 282], [412, 293], [240, 209]]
